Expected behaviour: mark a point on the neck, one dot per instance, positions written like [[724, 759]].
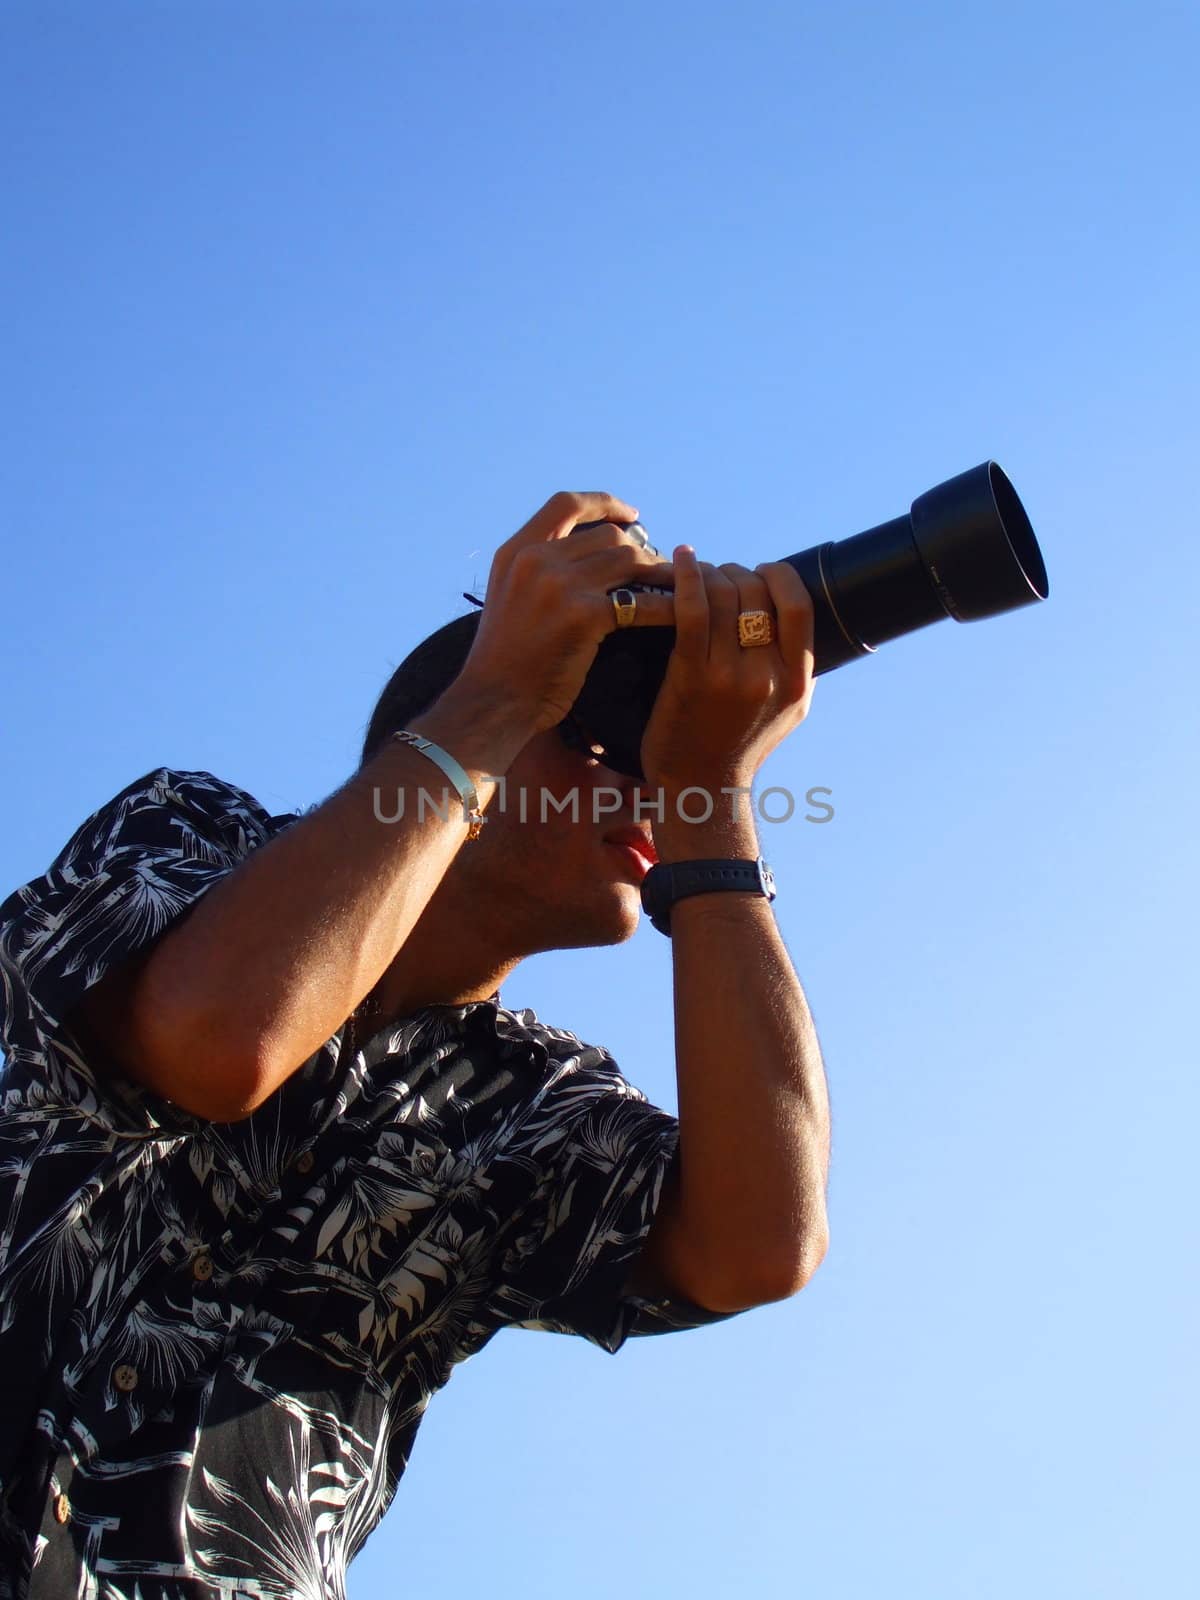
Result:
[[447, 959]]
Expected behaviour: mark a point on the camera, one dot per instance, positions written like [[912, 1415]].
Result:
[[965, 549]]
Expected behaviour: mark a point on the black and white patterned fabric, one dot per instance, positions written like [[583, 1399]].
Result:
[[219, 1339]]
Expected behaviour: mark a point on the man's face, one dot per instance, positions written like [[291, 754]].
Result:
[[561, 879]]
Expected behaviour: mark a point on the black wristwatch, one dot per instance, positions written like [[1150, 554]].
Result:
[[668, 882]]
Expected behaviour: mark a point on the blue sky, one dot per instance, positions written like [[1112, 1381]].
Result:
[[309, 306]]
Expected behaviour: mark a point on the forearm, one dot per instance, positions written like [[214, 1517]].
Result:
[[753, 1102], [274, 958]]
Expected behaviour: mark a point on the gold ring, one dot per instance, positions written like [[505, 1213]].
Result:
[[625, 605], [755, 627]]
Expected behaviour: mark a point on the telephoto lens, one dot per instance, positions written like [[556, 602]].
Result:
[[966, 549]]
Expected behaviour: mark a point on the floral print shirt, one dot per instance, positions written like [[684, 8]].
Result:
[[218, 1340]]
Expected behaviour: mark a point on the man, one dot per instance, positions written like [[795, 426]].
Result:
[[274, 1157]]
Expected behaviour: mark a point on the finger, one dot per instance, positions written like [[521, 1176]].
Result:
[[793, 614], [603, 536], [562, 511], [691, 608], [635, 530], [722, 609], [605, 569]]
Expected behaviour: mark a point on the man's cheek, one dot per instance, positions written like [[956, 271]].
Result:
[[606, 802]]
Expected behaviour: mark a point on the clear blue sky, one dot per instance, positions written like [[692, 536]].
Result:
[[307, 307]]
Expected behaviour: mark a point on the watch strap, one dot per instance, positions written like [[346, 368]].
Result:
[[667, 882]]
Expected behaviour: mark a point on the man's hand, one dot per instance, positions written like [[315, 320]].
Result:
[[724, 707], [238, 993], [548, 606]]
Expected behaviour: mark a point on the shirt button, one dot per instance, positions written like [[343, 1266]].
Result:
[[202, 1267], [305, 1161], [125, 1378], [62, 1509]]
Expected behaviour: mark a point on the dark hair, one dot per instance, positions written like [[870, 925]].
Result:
[[418, 681]]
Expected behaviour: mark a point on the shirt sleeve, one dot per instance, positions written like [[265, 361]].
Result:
[[129, 871], [568, 1265]]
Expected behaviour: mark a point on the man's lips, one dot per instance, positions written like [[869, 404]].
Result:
[[637, 845]]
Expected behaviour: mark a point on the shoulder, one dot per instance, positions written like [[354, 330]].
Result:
[[576, 1075], [561, 1044], [197, 796], [172, 808]]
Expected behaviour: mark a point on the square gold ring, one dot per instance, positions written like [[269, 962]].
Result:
[[755, 627]]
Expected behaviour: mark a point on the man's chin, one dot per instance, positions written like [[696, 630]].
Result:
[[608, 919]]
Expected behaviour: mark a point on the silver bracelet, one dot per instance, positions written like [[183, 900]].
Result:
[[458, 775]]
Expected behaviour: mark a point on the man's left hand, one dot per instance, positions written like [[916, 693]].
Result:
[[723, 706]]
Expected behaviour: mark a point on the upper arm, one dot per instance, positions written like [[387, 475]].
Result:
[[77, 944], [107, 1021], [660, 1270], [579, 1240], [129, 1026]]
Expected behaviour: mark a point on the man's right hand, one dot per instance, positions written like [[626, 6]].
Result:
[[548, 607], [271, 960]]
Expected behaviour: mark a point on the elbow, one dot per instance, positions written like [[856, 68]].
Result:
[[783, 1285], [794, 1271], [196, 1070], [150, 1033], [226, 1083], [217, 1102], [810, 1260], [213, 1093], [772, 1282], [233, 1088]]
